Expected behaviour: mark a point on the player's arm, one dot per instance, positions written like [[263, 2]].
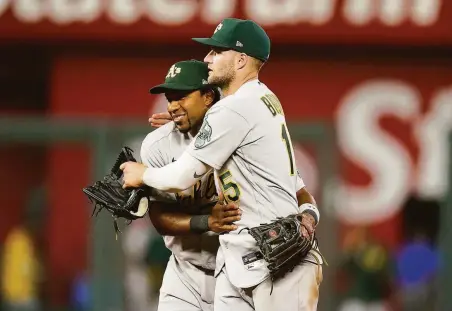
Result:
[[215, 142], [158, 171], [308, 205], [304, 196], [309, 212], [169, 219], [174, 177], [310, 215]]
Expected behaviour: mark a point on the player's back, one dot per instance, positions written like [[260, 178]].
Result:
[[245, 138], [268, 154], [262, 167]]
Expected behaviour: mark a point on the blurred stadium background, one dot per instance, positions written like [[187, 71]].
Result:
[[365, 84]]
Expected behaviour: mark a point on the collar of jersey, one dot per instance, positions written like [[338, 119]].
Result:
[[247, 85]]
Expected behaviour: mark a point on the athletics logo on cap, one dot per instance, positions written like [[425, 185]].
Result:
[[218, 27], [173, 71]]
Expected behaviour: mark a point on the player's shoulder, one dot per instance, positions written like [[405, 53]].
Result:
[[250, 92], [227, 104], [160, 135], [244, 101]]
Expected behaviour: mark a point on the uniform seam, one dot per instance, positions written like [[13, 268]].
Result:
[[183, 278], [237, 113], [163, 137], [203, 159], [153, 145], [252, 183], [241, 116]]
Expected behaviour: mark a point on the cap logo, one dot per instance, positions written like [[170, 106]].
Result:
[[173, 71], [240, 44], [218, 27]]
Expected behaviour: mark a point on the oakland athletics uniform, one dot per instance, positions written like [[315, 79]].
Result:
[[188, 283], [244, 137]]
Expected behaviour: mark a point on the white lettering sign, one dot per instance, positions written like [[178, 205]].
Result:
[[391, 13], [362, 140], [393, 173]]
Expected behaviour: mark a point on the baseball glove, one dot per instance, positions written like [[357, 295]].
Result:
[[282, 244], [109, 194]]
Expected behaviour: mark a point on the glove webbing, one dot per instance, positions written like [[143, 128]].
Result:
[[109, 193], [282, 234], [125, 155], [96, 210]]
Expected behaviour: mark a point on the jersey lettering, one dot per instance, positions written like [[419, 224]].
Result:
[[198, 193], [273, 104], [211, 189]]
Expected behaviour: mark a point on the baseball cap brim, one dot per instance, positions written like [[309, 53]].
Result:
[[163, 88], [211, 42]]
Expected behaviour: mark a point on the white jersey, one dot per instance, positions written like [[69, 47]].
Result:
[[161, 147], [244, 137]]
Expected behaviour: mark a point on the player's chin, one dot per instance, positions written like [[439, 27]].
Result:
[[183, 127], [216, 81], [212, 79]]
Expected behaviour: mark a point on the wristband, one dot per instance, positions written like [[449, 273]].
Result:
[[199, 223], [312, 210]]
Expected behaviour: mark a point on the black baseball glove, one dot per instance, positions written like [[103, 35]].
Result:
[[109, 194], [282, 244]]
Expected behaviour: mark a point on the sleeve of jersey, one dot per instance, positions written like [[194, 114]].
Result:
[[152, 152], [299, 183], [153, 155], [221, 133]]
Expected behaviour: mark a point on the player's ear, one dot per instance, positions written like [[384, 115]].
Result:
[[209, 97], [241, 60]]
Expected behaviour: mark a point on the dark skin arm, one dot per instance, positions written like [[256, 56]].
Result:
[[303, 196], [170, 219]]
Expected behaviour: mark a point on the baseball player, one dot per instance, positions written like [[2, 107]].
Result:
[[245, 139], [188, 283]]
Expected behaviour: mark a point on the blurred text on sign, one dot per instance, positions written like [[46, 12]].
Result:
[[291, 21]]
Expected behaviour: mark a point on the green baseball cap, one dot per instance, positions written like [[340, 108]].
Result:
[[184, 76], [242, 36]]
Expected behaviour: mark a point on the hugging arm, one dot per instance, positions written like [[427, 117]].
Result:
[[170, 219]]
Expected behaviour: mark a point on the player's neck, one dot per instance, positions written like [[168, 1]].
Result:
[[195, 129], [238, 82]]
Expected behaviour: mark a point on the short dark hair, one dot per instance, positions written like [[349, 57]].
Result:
[[216, 93]]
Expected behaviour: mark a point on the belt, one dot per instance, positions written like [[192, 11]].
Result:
[[205, 270]]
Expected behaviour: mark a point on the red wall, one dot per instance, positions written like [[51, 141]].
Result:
[[14, 161]]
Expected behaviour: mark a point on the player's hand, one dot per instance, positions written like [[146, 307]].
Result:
[[133, 174], [223, 216], [308, 225], [159, 119]]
